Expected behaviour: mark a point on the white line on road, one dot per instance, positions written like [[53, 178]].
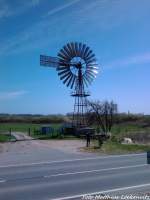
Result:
[[2, 180], [92, 171], [71, 160], [103, 192]]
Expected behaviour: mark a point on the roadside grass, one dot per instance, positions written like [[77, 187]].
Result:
[[124, 148], [110, 147], [5, 138]]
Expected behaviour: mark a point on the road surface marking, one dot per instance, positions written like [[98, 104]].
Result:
[[2, 180], [103, 192], [92, 171], [73, 160]]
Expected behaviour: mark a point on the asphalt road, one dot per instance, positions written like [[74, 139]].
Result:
[[71, 179]]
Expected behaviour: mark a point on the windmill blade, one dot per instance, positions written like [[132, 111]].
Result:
[[73, 48], [85, 81], [64, 53], [72, 84], [92, 61], [87, 78], [77, 49], [91, 74], [82, 50], [61, 68], [69, 82], [93, 69], [93, 65], [62, 56], [90, 77], [62, 72], [87, 50], [70, 49], [91, 56], [65, 75], [67, 51], [63, 63]]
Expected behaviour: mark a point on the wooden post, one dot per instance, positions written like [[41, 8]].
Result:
[[29, 131], [88, 138], [10, 131], [148, 157]]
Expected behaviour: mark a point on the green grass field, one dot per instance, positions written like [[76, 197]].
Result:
[[5, 138], [129, 130], [23, 127], [125, 128]]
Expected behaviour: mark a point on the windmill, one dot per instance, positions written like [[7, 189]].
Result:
[[76, 66]]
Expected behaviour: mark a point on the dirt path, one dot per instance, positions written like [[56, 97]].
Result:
[[30, 151], [21, 136], [26, 144], [70, 146]]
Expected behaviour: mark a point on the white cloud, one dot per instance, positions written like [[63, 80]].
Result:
[[7, 10], [60, 8], [132, 60], [35, 2], [12, 94]]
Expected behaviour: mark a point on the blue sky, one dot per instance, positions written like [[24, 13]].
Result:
[[118, 32]]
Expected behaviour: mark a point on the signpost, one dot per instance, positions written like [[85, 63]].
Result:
[[148, 157]]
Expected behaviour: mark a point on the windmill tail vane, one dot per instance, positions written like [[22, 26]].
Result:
[[77, 68]]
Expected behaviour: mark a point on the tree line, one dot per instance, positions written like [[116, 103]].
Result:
[[28, 118]]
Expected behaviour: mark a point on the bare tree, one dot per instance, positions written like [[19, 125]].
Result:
[[102, 114]]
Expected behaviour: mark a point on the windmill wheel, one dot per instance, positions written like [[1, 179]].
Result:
[[76, 59]]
